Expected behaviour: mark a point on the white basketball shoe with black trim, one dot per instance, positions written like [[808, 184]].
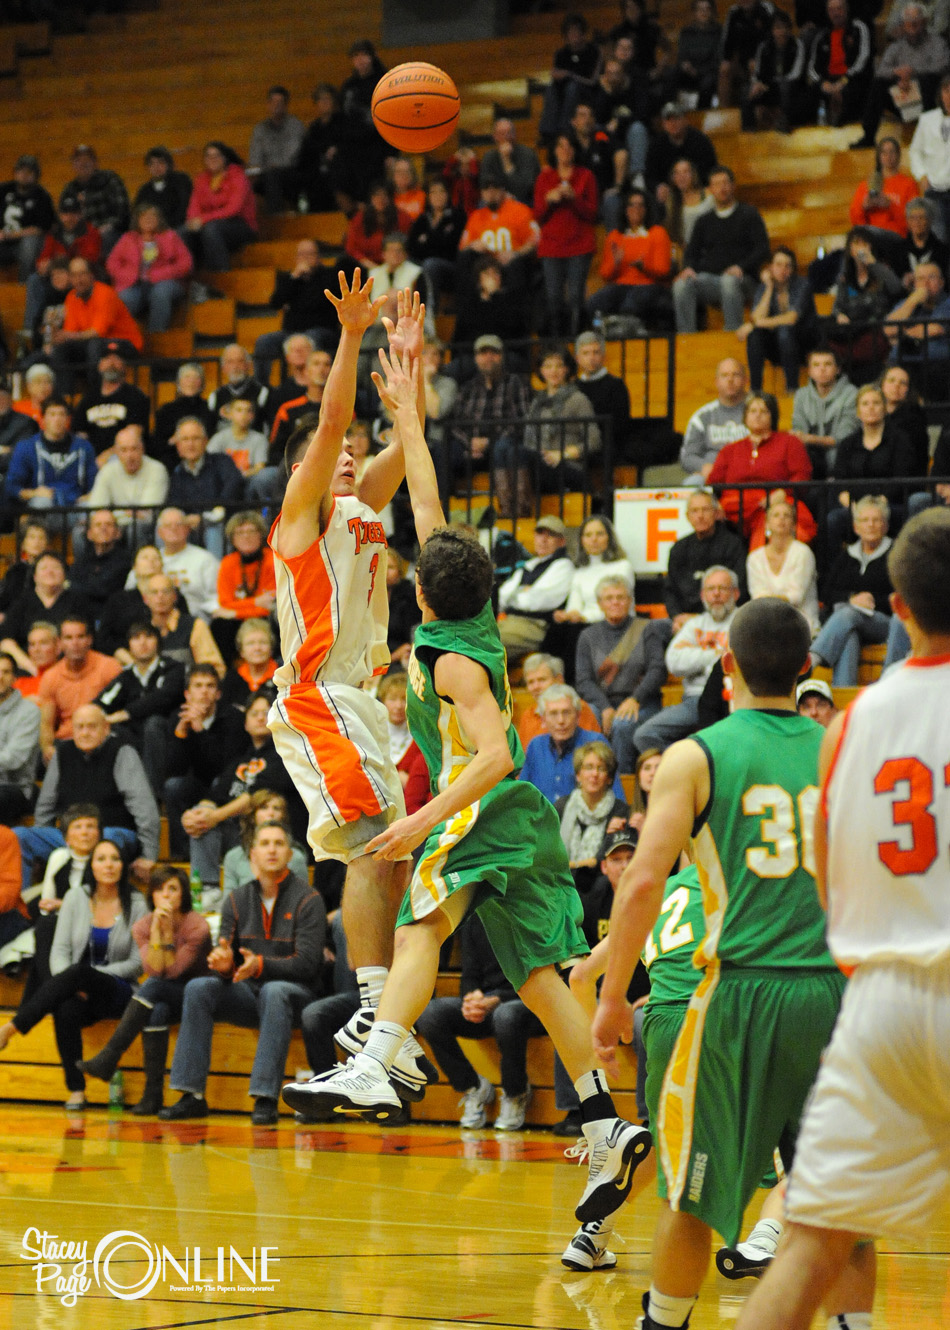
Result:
[[410, 1073], [614, 1159], [587, 1249]]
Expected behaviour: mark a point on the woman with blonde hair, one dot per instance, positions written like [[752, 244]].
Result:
[[590, 810], [784, 566]]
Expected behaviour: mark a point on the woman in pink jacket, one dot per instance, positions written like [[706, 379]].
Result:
[[149, 266], [222, 215]]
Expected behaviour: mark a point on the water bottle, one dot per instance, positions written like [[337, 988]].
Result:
[[117, 1091], [197, 888], [598, 323], [822, 114]]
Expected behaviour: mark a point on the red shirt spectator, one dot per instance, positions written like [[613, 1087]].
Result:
[[370, 225], [565, 205], [226, 195], [172, 260]]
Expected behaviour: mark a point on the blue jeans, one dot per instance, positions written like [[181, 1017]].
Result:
[[781, 346], [668, 725], [38, 843], [840, 640], [24, 252], [157, 299], [165, 997], [565, 283], [898, 643], [638, 141], [709, 289], [274, 1009], [623, 736]]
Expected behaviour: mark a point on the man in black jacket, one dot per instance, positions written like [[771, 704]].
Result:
[[607, 394], [267, 967], [712, 543], [203, 484], [111, 406], [722, 261], [102, 561], [166, 189], [26, 214], [841, 65], [300, 295], [139, 701]]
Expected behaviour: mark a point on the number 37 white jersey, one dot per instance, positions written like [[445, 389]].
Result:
[[887, 801]]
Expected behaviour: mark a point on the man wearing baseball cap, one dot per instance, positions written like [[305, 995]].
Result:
[[102, 196], [26, 213], [533, 592], [814, 698]]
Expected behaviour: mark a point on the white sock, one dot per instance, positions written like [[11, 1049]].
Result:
[[385, 1040], [371, 979], [850, 1321], [764, 1237], [665, 1310]]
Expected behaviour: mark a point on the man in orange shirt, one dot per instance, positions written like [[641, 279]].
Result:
[[72, 682], [42, 647], [94, 315], [502, 227], [540, 670]]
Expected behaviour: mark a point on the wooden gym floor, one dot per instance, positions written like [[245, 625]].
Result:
[[423, 1229]]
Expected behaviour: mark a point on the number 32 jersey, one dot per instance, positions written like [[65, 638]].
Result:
[[753, 843], [887, 803]]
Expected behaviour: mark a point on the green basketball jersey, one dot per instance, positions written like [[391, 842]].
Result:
[[668, 954], [753, 843], [433, 720]]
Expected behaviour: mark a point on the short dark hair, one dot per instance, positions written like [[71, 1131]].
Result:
[[75, 812], [919, 567], [161, 153], [76, 618], [770, 641], [163, 873], [140, 628], [56, 401], [723, 170], [299, 440], [265, 826], [202, 668], [770, 403], [5, 655], [455, 574], [278, 89]]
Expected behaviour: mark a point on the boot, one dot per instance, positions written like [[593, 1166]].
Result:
[[155, 1051], [133, 1022], [524, 494], [503, 494]]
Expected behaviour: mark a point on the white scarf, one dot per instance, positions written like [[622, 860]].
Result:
[[582, 827]]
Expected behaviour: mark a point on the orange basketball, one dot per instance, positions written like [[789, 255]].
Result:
[[415, 106]]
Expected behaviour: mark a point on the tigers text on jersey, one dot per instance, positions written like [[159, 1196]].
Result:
[[887, 802], [332, 605]]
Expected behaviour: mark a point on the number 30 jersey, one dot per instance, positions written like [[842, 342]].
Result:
[[887, 803], [753, 843]]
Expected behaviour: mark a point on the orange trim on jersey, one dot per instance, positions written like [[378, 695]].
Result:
[[823, 800], [925, 662], [313, 592], [338, 758]]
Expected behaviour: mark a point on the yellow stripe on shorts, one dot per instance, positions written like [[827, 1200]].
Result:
[[678, 1096], [428, 888]]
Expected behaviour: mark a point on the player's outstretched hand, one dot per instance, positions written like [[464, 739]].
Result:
[[408, 332], [401, 384], [612, 1025], [400, 838], [355, 307]]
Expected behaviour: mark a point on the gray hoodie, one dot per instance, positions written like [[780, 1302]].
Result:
[[74, 925], [834, 414]]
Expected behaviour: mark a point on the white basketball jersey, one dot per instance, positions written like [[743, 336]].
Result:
[[332, 604], [887, 799]]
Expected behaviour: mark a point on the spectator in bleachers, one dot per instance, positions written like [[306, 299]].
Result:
[[246, 447], [52, 468], [880, 203], [184, 637], [371, 223], [684, 199], [294, 350], [130, 484], [921, 244], [565, 207], [637, 25], [275, 146], [778, 93], [782, 323], [607, 394], [917, 57], [858, 589], [14, 426], [540, 671], [930, 160], [128, 606], [396, 272], [246, 578], [32, 541], [222, 214], [725, 254], [574, 69], [529, 597], [765, 455], [111, 405], [493, 309], [101, 195], [816, 701], [600, 555], [636, 266], [823, 410], [26, 212], [461, 176], [693, 652], [365, 152], [93, 318], [904, 412], [202, 739], [504, 228], [94, 767], [320, 159], [441, 394], [697, 54], [149, 265], [19, 747], [42, 651], [237, 379], [94, 963], [166, 189], [408, 195], [561, 439], [717, 423], [748, 24], [711, 543], [433, 242], [253, 657], [71, 237], [621, 107], [266, 965], [677, 141], [407, 759], [603, 154], [866, 290], [188, 401], [103, 561], [139, 700], [492, 395], [841, 64], [300, 295], [192, 569], [921, 336], [73, 682], [515, 164], [876, 453], [549, 759], [307, 402], [784, 566], [39, 382], [264, 806], [203, 485], [48, 600], [590, 811]]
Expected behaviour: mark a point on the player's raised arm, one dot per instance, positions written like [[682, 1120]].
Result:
[[385, 472], [398, 391], [309, 484]]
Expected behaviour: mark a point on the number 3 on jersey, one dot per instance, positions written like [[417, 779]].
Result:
[[916, 780], [778, 855]]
